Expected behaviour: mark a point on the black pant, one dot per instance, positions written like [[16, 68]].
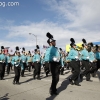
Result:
[[86, 72], [76, 70], [37, 69], [29, 66], [61, 69], [93, 67], [47, 67], [2, 70], [98, 64], [23, 70], [8, 68], [54, 67], [17, 73]]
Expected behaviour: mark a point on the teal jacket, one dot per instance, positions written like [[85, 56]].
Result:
[[84, 55], [61, 60], [37, 58], [2, 58], [23, 59], [50, 53], [67, 58], [8, 60], [16, 61], [72, 54], [91, 56], [97, 54]]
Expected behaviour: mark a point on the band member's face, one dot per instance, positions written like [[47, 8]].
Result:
[[74, 46], [86, 46], [38, 52], [18, 53], [54, 43]]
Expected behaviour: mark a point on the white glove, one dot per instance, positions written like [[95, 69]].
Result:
[[76, 57], [91, 61], [16, 65], [23, 61], [87, 57], [37, 60], [58, 59], [54, 59], [8, 61], [62, 66], [14, 62]]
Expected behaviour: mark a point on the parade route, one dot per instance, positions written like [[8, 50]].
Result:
[[30, 89]]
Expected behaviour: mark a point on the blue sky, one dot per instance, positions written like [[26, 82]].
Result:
[[64, 19], [31, 10]]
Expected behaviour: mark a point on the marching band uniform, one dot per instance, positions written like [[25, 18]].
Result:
[[29, 61], [23, 59], [17, 67], [75, 63], [61, 64], [2, 63], [53, 57], [85, 63], [98, 58], [37, 64], [46, 65], [92, 61], [8, 63]]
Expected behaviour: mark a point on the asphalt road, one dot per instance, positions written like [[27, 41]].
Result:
[[30, 89]]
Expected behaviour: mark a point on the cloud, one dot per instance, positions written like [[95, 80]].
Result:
[[80, 13], [81, 20], [60, 33]]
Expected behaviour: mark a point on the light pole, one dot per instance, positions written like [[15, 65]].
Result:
[[35, 37]]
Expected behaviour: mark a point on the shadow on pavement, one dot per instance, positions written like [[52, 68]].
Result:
[[31, 79], [63, 86], [5, 97]]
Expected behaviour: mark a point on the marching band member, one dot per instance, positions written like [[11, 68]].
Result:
[[23, 59], [92, 60], [85, 61], [17, 66], [8, 63], [52, 56], [29, 61], [62, 62], [46, 66], [97, 57], [47, 63], [37, 63], [2, 63], [75, 63]]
